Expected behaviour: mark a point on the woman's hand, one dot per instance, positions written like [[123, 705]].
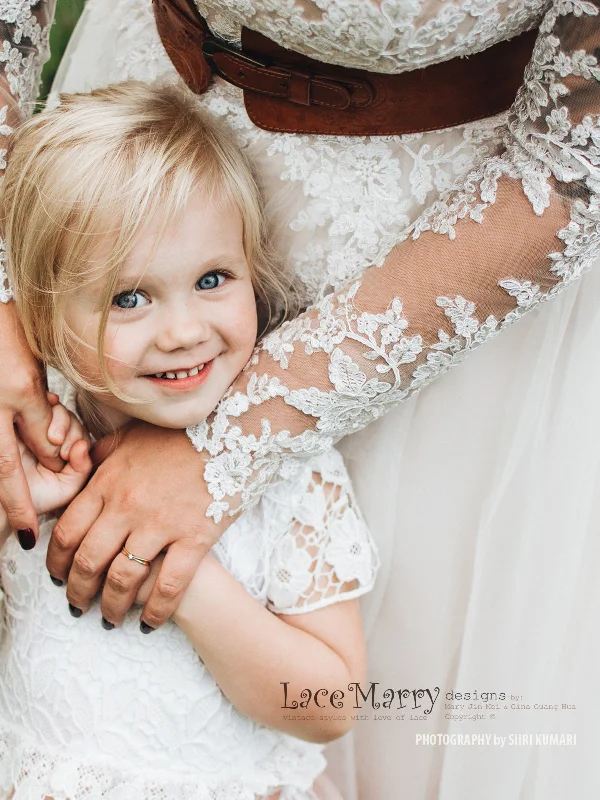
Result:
[[148, 494], [24, 406]]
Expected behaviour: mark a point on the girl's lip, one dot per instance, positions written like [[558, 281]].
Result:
[[182, 384]]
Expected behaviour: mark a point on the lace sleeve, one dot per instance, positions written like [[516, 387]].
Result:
[[326, 555], [24, 29], [514, 235]]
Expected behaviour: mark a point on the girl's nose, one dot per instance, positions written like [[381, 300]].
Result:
[[182, 330]]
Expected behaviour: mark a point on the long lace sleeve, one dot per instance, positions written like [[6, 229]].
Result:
[[24, 29], [516, 233]]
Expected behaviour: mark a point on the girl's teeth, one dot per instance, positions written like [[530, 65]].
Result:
[[181, 374]]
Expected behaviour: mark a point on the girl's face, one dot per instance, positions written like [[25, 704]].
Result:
[[182, 324]]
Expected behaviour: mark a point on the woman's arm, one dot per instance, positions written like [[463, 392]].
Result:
[[24, 28], [519, 231], [252, 653]]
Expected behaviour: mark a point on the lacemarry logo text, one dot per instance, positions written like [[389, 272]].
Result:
[[369, 694]]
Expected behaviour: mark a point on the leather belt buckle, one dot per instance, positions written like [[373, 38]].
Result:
[[213, 47], [294, 84]]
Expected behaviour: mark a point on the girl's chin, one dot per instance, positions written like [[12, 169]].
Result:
[[175, 421]]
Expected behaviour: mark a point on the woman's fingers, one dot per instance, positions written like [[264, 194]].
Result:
[[177, 570], [70, 531], [149, 492], [93, 559], [125, 578], [15, 497]]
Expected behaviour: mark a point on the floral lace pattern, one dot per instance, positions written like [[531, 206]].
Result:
[[375, 358], [24, 29], [381, 36], [66, 709]]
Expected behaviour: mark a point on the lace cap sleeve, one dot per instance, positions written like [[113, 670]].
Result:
[[326, 554], [24, 31]]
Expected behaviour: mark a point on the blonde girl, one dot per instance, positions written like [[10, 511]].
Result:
[[136, 246]]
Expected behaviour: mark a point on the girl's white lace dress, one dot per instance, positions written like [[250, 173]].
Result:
[[87, 713], [484, 490]]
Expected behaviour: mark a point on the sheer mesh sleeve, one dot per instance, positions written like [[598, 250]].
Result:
[[24, 29], [326, 555], [515, 234]]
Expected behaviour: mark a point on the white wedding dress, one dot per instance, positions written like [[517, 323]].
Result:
[[483, 491]]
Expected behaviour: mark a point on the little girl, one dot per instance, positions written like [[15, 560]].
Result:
[[136, 249]]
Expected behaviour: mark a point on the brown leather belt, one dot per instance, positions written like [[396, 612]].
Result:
[[289, 92]]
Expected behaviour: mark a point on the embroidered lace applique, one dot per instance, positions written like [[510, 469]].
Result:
[[365, 354], [381, 36], [24, 30]]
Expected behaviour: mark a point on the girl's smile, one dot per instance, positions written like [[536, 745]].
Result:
[[182, 323], [181, 380]]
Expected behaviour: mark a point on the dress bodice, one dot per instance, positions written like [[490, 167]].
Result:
[[378, 35]]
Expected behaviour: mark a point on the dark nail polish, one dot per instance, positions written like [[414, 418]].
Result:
[[75, 612], [26, 538], [145, 628], [108, 626], [56, 581]]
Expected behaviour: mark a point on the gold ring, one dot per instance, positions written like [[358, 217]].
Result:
[[131, 557]]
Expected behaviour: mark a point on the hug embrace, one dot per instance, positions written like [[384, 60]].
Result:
[[218, 295]]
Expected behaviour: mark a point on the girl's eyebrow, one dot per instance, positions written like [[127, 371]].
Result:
[[233, 263]]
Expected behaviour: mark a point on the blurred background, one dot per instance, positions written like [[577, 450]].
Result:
[[67, 14]]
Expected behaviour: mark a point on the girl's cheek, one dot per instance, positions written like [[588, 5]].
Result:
[[124, 348], [245, 323]]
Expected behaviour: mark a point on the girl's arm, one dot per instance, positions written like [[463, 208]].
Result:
[[267, 661], [252, 653]]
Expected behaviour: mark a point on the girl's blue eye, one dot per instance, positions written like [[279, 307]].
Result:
[[129, 300], [212, 280]]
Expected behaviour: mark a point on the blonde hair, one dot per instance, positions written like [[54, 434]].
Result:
[[109, 162]]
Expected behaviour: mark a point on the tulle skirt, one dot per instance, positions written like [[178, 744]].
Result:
[[483, 493]]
